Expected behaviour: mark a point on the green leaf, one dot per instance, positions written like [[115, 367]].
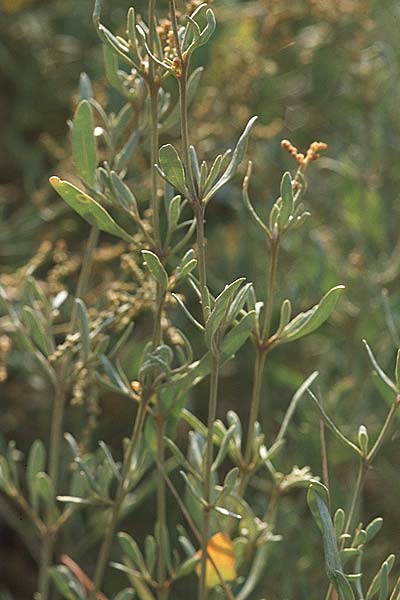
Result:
[[397, 371], [156, 268], [174, 212], [219, 313], [84, 143], [187, 566], [36, 464], [150, 548], [111, 67], [232, 342], [124, 156], [339, 522], [35, 324], [317, 501], [131, 31], [85, 87], [88, 208], [305, 323], [84, 327], [380, 583], [172, 168], [379, 371], [131, 550], [374, 528], [200, 37], [343, 586], [237, 157], [61, 577], [124, 194], [287, 199], [118, 46]]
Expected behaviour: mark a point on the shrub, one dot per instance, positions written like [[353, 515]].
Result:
[[215, 543]]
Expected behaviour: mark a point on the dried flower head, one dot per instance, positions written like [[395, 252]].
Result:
[[303, 160]]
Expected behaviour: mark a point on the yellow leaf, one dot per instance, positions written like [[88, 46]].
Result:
[[220, 549]]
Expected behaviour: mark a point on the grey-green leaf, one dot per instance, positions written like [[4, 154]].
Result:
[[287, 199], [84, 143], [319, 509], [236, 159], [305, 323], [88, 208], [172, 168], [156, 268]]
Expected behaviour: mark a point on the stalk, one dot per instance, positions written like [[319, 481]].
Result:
[[255, 400], [261, 354], [162, 593], [212, 409], [157, 331], [201, 261], [153, 90]]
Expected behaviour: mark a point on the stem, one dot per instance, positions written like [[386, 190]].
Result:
[[201, 262], [255, 401], [212, 409], [362, 470], [153, 89], [122, 490], [185, 129], [161, 506], [261, 354], [389, 419], [324, 454], [46, 555]]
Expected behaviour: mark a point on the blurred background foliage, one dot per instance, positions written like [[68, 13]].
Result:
[[311, 69]]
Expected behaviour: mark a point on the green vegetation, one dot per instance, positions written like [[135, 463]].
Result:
[[199, 355]]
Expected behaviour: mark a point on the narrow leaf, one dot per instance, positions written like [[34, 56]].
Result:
[[84, 143], [88, 208]]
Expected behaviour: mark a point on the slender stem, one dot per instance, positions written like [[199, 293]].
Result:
[[185, 130], [201, 262], [255, 401], [122, 490], [153, 89], [162, 593], [46, 555], [362, 470], [261, 354], [157, 330], [324, 454], [153, 158], [212, 410], [385, 429]]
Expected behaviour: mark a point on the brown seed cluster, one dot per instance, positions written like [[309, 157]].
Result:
[[167, 39], [303, 160]]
